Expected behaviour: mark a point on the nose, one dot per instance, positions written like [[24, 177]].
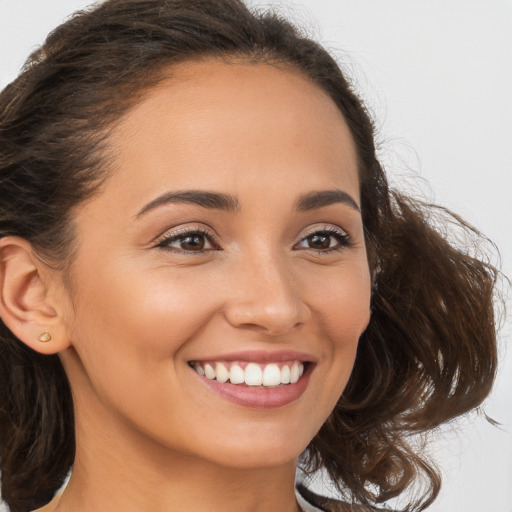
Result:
[[265, 298]]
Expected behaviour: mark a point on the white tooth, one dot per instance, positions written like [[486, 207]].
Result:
[[253, 375], [294, 373], [221, 372], [271, 375], [209, 371], [301, 370], [236, 375], [199, 369], [285, 374]]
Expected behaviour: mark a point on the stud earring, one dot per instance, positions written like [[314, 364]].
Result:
[[45, 337]]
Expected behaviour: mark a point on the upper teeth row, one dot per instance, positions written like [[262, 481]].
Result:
[[253, 374]]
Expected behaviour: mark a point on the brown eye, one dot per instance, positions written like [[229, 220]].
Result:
[[319, 241], [325, 240], [191, 241]]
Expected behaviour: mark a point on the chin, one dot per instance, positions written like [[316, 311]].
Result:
[[260, 450]]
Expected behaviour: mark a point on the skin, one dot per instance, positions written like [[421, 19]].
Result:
[[150, 435]]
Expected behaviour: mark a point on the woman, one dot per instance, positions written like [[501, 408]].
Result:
[[205, 275]]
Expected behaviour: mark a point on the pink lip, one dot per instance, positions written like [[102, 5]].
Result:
[[259, 397], [260, 356]]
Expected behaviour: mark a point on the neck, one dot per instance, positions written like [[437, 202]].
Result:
[[119, 468]]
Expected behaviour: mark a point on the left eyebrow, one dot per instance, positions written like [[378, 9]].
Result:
[[314, 200]]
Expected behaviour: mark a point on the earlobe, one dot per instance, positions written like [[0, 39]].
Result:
[[26, 306]]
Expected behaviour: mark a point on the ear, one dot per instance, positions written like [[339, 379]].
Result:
[[28, 298]]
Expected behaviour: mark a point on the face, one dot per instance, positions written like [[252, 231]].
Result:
[[221, 282]]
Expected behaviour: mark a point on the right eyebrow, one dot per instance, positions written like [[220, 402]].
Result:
[[212, 200]]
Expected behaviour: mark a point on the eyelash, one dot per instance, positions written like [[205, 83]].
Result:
[[341, 236], [164, 242]]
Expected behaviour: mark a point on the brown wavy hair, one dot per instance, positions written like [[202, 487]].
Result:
[[429, 352]]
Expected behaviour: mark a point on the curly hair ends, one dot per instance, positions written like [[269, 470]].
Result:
[[429, 353]]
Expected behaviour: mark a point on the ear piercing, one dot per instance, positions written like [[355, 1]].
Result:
[[45, 337]]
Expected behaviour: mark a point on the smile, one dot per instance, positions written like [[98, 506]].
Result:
[[268, 375]]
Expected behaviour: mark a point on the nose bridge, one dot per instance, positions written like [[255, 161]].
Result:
[[264, 294]]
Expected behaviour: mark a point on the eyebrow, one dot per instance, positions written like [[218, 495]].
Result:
[[314, 200], [228, 203], [212, 200]]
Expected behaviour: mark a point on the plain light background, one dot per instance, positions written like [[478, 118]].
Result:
[[437, 75]]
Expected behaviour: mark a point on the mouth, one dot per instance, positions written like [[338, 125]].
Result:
[[257, 380], [244, 373]]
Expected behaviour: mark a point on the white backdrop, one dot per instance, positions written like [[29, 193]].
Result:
[[438, 75]]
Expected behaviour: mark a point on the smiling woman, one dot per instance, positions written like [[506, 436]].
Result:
[[204, 276]]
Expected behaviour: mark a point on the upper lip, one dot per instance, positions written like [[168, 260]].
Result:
[[260, 356]]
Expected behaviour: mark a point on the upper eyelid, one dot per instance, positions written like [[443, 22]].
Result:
[[332, 230], [169, 234], [320, 228], [174, 233]]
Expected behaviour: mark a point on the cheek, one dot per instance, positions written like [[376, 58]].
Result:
[[137, 318], [344, 313], [344, 305], [130, 334]]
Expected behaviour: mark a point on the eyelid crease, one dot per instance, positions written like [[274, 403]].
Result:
[[163, 241], [170, 235], [344, 239], [325, 228]]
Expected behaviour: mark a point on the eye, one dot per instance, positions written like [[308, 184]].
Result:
[[325, 240], [188, 240]]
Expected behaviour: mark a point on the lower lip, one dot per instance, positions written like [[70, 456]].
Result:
[[259, 397]]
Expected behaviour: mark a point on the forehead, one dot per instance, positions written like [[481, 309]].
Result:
[[215, 124]]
